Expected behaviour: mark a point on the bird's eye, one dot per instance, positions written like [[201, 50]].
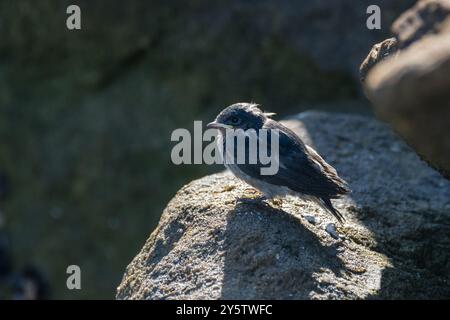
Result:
[[234, 120]]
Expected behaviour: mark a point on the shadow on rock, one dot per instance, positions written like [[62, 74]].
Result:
[[270, 254], [402, 202]]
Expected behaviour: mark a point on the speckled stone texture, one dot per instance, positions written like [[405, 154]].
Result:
[[215, 240]]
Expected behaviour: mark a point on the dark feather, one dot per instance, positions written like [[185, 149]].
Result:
[[301, 168]]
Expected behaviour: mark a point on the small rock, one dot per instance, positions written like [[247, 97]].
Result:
[[331, 229], [311, 219]]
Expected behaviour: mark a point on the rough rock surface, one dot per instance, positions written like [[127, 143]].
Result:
[[410, 90], [379, 52], [214, 242], [427, 17]]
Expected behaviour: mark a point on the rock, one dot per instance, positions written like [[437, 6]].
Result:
[[411, 89], [426, 18], [212, 242], [379, 52], [311, 219], [412, 93], [331, 229]]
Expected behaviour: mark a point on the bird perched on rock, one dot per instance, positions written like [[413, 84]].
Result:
[[302, 172]]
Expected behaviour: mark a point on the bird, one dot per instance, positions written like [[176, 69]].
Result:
[[302, 171]]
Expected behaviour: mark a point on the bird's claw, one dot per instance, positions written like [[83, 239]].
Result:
[[254, 199], [251, 191], [276, 202]]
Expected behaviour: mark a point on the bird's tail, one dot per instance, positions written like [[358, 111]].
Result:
[[326, 204]]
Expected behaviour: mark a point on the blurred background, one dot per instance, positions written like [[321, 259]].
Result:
[[86, 115]]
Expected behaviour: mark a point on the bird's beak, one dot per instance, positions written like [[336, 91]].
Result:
[[270, 114], [217, 125]]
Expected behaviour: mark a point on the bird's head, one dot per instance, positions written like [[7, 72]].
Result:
[[240, 116]]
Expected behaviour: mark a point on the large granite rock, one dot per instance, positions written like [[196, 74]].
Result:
[[407, 78], [214, 242]]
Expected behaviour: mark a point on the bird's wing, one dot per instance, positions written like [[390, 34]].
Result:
[[301, 169]]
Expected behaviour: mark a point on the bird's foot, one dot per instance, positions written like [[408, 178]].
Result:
[[252, 191], [252, 195], [276, 202], [252, 199]]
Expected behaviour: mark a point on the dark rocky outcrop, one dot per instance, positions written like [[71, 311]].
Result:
[[411, 89], [216, 241]]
